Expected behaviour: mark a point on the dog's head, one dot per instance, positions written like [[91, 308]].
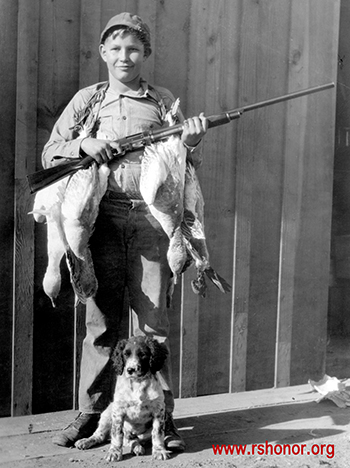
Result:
[[139, 355]]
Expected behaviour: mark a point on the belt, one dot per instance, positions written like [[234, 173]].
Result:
[[110, 194]]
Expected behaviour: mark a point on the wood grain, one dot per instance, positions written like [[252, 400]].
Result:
[[27, 60], [8, 47]]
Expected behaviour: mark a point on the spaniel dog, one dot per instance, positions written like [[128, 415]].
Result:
[[137, 412]]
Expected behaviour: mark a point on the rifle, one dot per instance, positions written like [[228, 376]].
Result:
[[41, 179]]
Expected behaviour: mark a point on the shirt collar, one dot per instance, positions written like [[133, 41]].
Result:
[[144, 91]]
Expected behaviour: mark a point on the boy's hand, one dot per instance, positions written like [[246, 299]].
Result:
[[194, 130], [100, 150]]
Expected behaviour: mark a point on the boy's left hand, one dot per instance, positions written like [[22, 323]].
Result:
[[194, 129]]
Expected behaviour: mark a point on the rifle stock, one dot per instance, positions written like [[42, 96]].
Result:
[[42, 179]]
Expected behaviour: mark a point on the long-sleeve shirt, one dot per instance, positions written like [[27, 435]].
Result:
[[116, 116]]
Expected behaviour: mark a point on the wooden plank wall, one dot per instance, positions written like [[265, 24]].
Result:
[[8, 27], [266, 179]]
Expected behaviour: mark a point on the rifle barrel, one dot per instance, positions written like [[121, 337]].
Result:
[[287, 97], [226, 117], [46, 177]]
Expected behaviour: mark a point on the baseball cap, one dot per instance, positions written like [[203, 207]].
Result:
[[130, 21]]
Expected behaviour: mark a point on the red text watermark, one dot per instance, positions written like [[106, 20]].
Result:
[[275, 449]]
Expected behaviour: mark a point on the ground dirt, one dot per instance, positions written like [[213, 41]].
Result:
[[296, 419]]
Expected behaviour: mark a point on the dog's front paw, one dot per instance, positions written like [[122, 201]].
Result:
[[114, 455], [84, 444], [160, 454]]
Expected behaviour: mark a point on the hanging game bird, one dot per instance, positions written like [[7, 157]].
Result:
[[170, 187], [70, 208], [162, 187]]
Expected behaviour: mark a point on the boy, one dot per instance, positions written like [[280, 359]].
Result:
[[128, 245]]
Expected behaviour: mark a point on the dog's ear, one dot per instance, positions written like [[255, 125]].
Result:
[[159, 354], [117, 357]]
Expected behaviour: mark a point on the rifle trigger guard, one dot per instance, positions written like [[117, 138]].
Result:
[[118, 154]]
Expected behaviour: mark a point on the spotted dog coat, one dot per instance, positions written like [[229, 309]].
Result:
[[137, 412]]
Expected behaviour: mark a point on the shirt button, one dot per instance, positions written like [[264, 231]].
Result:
[[124, 117]]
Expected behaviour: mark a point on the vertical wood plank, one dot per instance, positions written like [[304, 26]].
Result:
[[294, 153], [8, 49], [261, 143], [171, 56], [59, 63], [79, 335], [242, 228], [212, 88], [312, 252], [90, 30], [22, 381], [27, 60], [189, 336], [174, 339], [58, 81]]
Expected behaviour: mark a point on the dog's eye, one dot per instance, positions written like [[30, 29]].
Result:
[[127, 352], [142, 355]]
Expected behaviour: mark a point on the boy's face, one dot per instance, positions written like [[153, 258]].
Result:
[[124, 56]]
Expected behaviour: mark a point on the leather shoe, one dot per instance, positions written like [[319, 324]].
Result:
[[84, 425]]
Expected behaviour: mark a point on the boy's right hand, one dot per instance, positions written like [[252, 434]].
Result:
[[101, 150]]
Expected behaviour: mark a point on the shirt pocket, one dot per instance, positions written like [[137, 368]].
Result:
[[108, 128]]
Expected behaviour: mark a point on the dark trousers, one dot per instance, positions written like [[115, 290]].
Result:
[[129, 249]]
